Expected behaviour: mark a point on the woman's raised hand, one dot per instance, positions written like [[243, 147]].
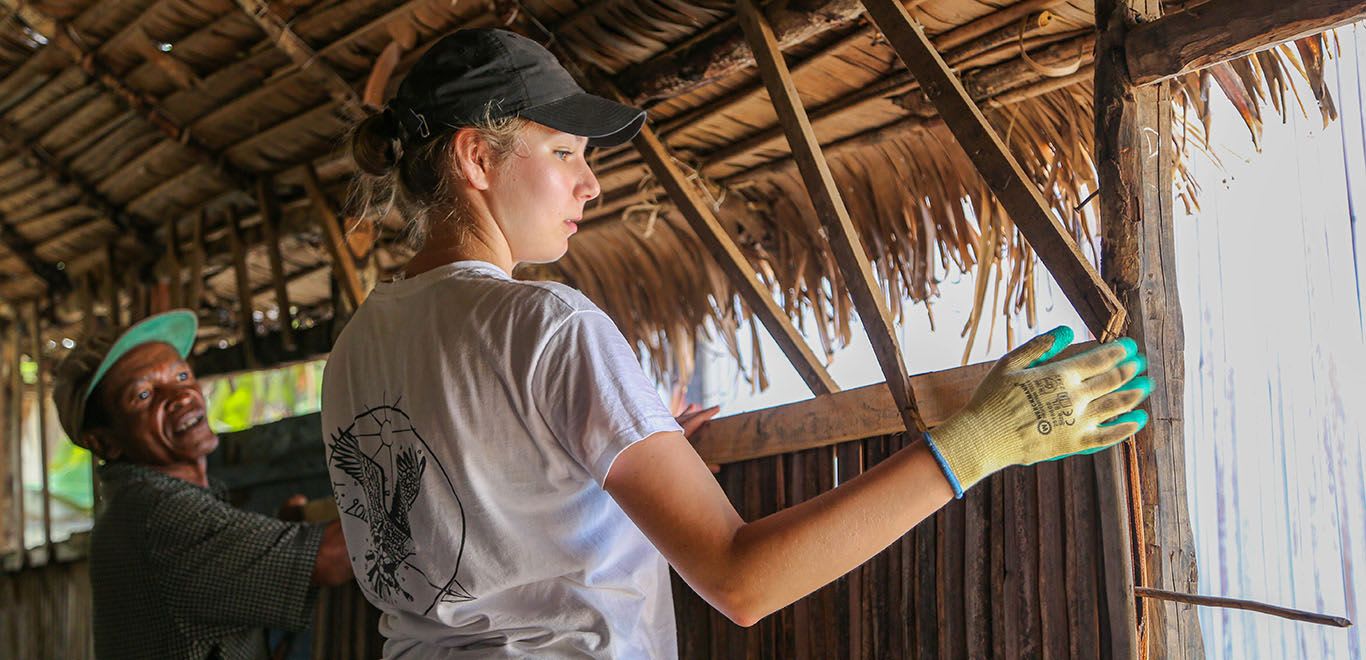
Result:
[[1030, 409]]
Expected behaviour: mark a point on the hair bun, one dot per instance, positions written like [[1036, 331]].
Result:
[[375, 143]]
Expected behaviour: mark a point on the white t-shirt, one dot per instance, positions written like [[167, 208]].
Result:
[[470, 420]]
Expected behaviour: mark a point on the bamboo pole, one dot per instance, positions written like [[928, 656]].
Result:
[[1249, 605], [40, 407]]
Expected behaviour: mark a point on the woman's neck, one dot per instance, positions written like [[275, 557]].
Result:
[[445, 247]]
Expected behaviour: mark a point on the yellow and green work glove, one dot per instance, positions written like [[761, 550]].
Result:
[[1028, 409]]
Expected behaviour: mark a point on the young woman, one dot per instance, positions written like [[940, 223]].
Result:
[[510, 482]]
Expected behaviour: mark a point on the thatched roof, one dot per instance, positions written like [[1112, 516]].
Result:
[[119, 117]]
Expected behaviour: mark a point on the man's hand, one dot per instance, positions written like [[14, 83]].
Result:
[[293, 508], [332, 567], [692, 418]]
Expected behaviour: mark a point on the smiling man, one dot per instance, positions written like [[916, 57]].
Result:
[[176, 571]]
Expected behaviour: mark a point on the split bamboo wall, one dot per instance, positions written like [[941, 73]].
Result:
[[45, 612], [1012, 570]]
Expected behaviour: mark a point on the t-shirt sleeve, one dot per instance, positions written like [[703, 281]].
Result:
[[592, 393], [221, 565]]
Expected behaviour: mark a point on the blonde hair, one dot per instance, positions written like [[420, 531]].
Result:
[[416, 176]]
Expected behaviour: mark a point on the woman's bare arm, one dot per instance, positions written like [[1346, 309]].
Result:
[[749, 570]]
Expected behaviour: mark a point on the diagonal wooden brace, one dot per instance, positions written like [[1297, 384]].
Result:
[[1098, 306], [727, 255], [820, 184]]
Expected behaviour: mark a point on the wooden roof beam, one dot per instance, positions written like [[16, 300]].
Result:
[[1097, 305], [733, 262], [1222, 30], [820, 184], [727, 50], [303, 55]]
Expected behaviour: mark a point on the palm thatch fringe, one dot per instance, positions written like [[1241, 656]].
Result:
[[922, 211]]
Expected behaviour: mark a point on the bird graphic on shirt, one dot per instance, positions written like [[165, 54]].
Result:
[[391, 539]]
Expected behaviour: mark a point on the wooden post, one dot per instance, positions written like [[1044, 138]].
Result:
[[239, 270], [40, 408], [820, 184], [88, 324], [15, 429], [1135, 156], [111, 290], [343, 265], [270, 224], [195, 290], [8, 466], [1020, 196], [173, 264], [727, 255]]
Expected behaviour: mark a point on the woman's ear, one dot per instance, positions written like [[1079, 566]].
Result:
[[472, 157]]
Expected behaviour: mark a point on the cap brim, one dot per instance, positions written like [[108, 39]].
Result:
[[176, 327], [605, 123]]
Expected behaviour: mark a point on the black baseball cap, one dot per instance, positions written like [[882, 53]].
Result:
[[472, 74]]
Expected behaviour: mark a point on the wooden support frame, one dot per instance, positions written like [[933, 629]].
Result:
[[40, 409], [728, 256], [1222, 30], [343, 265], [820, 184], [829, 419], [270, 225], [245, 318], [1079, 281], [1135, 157]]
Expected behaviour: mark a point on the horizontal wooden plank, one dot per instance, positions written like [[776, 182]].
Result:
[[1222, 30], [832, 418]]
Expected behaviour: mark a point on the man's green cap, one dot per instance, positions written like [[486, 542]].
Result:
[[86, 365]]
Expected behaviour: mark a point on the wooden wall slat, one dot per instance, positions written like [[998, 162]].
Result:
[[1010, 571]]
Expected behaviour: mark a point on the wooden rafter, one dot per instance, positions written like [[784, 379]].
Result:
[[303, 55], [1222, 30], [844, 240], [733, 262], [1083, 286], [344, 265]]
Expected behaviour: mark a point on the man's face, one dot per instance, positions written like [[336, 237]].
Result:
[[155, 409]]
